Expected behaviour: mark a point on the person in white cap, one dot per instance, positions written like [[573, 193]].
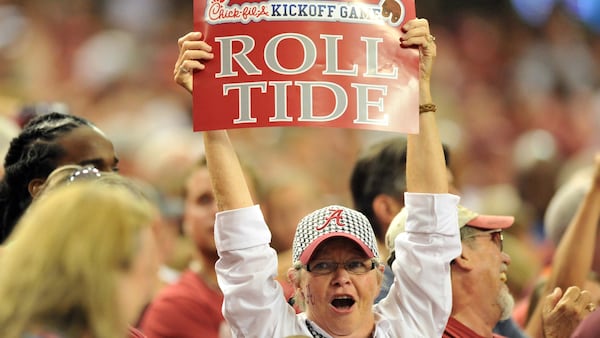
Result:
[[336, 270], [480, 295]]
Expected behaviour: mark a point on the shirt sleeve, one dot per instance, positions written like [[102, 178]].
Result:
[[420, 299], [254, 303]]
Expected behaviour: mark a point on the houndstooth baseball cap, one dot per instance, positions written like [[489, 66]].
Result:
[[328, 222]]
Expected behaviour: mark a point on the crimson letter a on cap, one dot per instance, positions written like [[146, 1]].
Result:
[[336, 216]]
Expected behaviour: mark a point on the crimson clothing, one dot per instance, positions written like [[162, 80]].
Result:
[[589, 326], [132, 333], [456, 329], [188, 308]]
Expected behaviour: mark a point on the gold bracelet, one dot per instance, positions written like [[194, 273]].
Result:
[[428, 107]]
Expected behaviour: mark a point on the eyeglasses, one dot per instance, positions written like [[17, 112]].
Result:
[[356, 267], [84, 174], [496, 237]]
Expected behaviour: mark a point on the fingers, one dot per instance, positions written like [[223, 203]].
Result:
[[576, 301], [552, 299], [191, 50], [590, 307], [561, 319], [584, 302], [188, 37], [195, 46], [416, 30], [573, 297], [416, 33], [192, 59], [188, 66], [413, 23]]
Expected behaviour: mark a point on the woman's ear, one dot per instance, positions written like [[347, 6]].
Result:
[[34, 186], [292, 275], [381, 268]]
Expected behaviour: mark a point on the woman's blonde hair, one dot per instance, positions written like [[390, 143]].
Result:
[[61, 265], [58, 177]]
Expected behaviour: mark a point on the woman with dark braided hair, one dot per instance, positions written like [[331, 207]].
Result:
[[45, 143]]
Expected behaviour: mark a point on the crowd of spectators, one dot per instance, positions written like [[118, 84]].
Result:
[[518, 104]]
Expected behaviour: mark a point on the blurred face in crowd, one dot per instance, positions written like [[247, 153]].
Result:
[[341, 301], [285, 207], [200, 211], [489, 268], [87, 145]]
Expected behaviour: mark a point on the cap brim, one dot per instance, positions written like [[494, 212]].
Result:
[[491, 222], [310, 249]]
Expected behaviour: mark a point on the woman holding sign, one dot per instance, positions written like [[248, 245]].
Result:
[[336, 267]]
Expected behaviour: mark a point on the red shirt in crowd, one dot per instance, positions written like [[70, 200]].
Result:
[[188, 308], [456, 329]]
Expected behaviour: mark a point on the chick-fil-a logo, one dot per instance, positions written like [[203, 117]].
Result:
[[391, 12], [218, 11]]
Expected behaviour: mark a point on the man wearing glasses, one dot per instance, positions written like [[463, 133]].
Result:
[[479, 292]]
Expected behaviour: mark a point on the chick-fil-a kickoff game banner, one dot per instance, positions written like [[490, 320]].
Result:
[[306, 63]]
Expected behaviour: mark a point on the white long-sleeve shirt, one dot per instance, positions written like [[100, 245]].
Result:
[[417, 305]]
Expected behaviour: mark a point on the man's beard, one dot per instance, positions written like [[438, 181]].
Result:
[[506, 302]]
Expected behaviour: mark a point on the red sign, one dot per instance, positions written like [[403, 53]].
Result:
[[306, 63]]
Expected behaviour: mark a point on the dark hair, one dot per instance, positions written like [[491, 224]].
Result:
[[34, 153], [380, 170]]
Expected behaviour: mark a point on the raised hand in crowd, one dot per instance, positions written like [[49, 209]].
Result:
[[562, 313], [572, 261]]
